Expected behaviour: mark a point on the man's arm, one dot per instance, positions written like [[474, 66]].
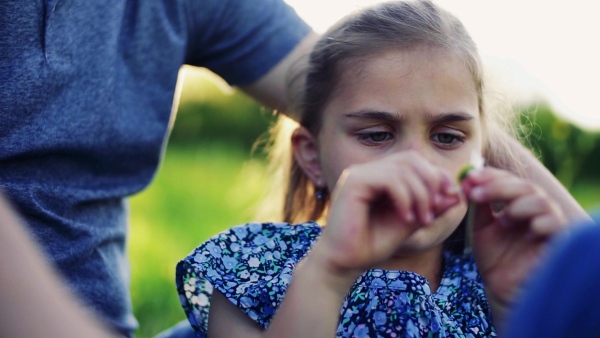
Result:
[[270, 89], [33, 301]]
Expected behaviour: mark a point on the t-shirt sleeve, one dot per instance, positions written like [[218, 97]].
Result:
[[251, 265], [241, 40]]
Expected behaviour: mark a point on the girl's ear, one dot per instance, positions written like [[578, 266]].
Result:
[[306, 153]]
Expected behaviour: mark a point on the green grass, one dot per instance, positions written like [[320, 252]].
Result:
[[587, 193], [197, 193]]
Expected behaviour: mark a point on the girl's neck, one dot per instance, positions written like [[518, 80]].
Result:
[[427, 264]]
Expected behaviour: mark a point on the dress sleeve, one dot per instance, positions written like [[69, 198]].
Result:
[[251, 265], [241, 40]]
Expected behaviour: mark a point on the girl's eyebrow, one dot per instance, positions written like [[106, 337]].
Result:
[[396, 117], [374, 115], [450, 117]]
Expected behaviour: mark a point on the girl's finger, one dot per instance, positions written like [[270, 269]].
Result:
[[482, 175], [501, 189], [420, 196], [401, 199], [370, 189], [429, 174], [548, 224], [477, 177], [527, 207], [444, 202]]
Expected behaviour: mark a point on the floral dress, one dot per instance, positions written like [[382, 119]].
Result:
[[252, 265]]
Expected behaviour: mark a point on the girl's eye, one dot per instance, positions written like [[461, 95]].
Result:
[[447, 140], [375, 138], [378, 137]]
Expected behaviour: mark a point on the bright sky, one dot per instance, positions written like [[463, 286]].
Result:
[[534, 48]]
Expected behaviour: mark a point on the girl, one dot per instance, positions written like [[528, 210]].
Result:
[[392, 108]]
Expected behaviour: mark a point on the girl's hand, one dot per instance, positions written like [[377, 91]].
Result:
[[376, 206], [508, 243]]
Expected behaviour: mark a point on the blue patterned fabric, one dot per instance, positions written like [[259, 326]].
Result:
[[252, 265]]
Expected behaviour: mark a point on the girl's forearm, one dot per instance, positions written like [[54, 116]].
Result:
[[313, 301]]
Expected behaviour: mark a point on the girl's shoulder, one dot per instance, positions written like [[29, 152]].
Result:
[[246, 243], [245, 263]]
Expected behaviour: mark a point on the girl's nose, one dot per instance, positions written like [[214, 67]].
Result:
[[415, 144]]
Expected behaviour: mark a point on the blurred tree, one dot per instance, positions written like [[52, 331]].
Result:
[[209, 110], [568, 151]]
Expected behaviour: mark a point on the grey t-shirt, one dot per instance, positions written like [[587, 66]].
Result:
[[86, 89]]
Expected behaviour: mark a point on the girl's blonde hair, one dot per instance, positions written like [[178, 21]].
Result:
[[394, 25]]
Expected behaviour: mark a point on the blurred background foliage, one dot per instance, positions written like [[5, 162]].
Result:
[[211, 179]]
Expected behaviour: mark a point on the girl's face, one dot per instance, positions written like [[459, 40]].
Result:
[[423, 100]]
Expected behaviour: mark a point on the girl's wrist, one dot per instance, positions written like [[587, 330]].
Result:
[[328, 274]]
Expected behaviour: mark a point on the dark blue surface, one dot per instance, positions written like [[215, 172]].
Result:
[[86, 89], [563, 299]]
